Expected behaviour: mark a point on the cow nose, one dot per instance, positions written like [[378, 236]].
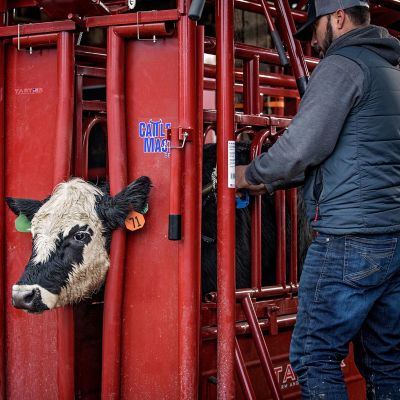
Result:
[[25, 299]]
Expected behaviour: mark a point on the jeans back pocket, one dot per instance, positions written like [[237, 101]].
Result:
[[367, 260]]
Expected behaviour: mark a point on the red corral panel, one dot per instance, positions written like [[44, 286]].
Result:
[[150, 310], [31, 98]]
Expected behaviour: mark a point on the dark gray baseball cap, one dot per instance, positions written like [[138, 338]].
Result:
[[318, 8]]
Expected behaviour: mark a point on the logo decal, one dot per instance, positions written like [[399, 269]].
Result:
[[28, 91], [154, 135]]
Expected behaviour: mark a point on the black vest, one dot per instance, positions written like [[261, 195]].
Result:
[[357, 188]]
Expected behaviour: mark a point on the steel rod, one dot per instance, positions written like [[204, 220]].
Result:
[[244, 378], [294, 242], [117, 164], [189, 253], [2, 232], [265, 291], [251, 86], [225, 202], [272, 79], [261, 347], [280, 217], [62, 170], [256, 223], [295, 51], [246, 51], [243, 328]]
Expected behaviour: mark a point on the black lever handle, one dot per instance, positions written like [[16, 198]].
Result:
[[196, 9]]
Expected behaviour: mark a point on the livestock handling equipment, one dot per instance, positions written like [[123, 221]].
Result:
[[117, 89]]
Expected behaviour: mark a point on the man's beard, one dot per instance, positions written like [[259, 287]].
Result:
[[328, 39]]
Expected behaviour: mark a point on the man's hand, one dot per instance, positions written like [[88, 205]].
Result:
[[241, 182]]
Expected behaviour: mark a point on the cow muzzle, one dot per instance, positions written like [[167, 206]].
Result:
[[30, 298]]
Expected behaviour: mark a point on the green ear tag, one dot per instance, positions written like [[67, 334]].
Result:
[[145, 209], [22, 224]]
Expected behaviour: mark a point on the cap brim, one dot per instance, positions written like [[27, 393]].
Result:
[[305, 32]]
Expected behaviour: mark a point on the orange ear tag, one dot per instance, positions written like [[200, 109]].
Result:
[[134, 221]]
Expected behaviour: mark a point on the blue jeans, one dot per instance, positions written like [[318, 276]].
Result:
[[349, 291]]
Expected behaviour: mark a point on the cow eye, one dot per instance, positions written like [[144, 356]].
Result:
[[80, 236]]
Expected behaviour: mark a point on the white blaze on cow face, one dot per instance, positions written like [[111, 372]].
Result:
[[67, 228]]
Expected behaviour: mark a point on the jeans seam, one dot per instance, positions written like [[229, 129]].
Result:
[[307, 341]]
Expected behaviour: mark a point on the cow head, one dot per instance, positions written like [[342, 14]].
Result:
[[71, 233]]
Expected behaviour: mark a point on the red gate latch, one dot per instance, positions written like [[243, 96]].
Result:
[[184, 135], [272, 318]]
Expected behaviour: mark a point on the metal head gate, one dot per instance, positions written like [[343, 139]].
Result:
[[157, 101]]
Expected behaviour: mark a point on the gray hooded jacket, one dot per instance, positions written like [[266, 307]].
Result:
[[345, 139]]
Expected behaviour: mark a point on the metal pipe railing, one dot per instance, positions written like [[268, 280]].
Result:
[[261, 347], [269, 78], [225, 201], [280, 217], [245, 51], [294, 236], [295, 51], [117, 165], [251, 86], [62, 170], [256, 223], [2, 232], [256, 7], [244, 378]]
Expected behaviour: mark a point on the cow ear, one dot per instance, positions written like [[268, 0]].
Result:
[[28, 207], [114, 210]]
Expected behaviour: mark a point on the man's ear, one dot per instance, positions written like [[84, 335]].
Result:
[[114, 210], [28, 207]]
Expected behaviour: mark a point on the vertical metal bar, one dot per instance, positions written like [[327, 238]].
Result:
[[280, 216], [295, 51], [2, 232], [189, 253], [62, 169], [251, 86], [117, 164], [293, 236], [226, 202], [251, 105], [256, 215], [261, 347], [244, 379], [79, 168]]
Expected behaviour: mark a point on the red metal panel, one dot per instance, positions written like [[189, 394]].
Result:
[[150, 342], [31, 97]]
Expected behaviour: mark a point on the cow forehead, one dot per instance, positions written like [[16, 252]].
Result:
[[72, 203]]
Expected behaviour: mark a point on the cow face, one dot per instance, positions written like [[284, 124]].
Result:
[[71, 233]]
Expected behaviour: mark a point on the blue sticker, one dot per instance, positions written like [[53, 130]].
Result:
[[243, 202], [154, 136]]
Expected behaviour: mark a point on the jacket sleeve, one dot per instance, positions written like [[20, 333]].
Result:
[[335, 87]]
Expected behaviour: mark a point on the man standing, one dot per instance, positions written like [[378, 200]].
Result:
[[345, 143]]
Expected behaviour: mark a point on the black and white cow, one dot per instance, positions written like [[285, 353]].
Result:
[[71, 233]]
